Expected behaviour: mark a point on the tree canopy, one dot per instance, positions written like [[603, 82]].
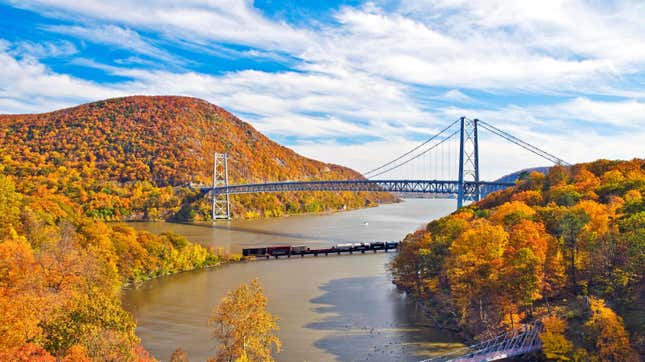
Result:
[[243, 327], [566, 248]]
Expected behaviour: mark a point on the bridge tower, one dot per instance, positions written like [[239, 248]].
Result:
[[468, 161], [221, 204]]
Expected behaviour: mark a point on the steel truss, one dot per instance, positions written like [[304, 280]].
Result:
[[440, 187]]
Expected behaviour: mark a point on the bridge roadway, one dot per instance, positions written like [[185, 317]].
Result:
[[445, 187]]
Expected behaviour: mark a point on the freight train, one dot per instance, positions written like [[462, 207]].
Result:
[[288, 250]]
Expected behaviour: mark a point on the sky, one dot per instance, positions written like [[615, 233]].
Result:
[[350, 82]]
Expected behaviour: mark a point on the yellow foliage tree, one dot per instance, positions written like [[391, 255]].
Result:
[[611, 338], [475, 264], [22, 301], [243, 325], [555, 346], [511, 212], [10, 202]]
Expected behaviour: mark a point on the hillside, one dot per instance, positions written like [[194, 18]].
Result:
[[565, 247], [132, 158]]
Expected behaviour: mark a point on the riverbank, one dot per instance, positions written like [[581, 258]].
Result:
[[233, 259]]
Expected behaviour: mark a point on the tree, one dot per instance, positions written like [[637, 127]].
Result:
[[243, 325], [10, 202], [555, 345], [475, 264], [511, 213], [179, 355], [408, 268], [611, 338], [569, 226]]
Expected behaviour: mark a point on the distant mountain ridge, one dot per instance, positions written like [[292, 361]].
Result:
[[512, 177]]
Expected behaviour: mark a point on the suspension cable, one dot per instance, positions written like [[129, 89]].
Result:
[[420, 154], [409, 152], [509, 137]]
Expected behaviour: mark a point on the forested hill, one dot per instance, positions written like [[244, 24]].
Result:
[[566, 248], [116, 156]]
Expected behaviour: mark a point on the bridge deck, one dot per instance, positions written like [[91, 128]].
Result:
[[446, 187]]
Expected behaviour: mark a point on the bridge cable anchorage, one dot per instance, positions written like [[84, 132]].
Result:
[[527, 146], [412, 150], [415, 157]]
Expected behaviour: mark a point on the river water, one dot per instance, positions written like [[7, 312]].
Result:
[[335, 308]]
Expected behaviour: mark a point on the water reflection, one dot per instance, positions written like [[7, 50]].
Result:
[[365, 331]]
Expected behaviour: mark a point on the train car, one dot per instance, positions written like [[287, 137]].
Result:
[[298, 249], [361, 246], [392, 244], [377, 245], [343, 247], [254, 251], [278, 250]]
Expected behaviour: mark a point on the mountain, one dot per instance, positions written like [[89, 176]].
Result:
[[132, 158], [512, 177]]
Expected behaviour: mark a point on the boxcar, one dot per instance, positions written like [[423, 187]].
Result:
[[297, 249], [254, 251], [343, 247], [278, 250]]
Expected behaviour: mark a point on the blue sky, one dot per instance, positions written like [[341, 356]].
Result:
[[350, 82]]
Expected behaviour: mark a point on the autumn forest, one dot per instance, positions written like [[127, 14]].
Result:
[[566, 248]]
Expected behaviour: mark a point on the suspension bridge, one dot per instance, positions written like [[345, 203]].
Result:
[[457, 143]]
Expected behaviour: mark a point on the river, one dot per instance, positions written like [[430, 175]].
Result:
[[335, 308]]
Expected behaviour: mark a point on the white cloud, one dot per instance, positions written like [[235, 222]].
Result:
[[456, 96], [113, 35], [26, 85], [44, 50], [628, 113], [230, 21], [452, 48]]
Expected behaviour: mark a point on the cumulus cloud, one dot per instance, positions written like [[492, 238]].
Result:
[[26, 85]]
